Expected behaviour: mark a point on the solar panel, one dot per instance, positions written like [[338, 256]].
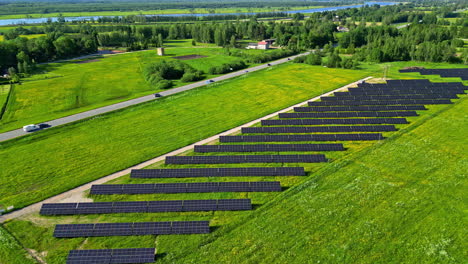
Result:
[[218, 172], [362, 97], [268, 148], [317, 129], [360, 108], [290, 138], [386, 102], [328, 121], [129, 229], [245, 159], [347, 114], [140, 207], [108, 256]]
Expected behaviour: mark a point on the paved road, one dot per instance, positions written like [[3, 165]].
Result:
[[98, 111], [78, 194]]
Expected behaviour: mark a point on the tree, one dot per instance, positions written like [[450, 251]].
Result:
[[194, 43], [233, 41]]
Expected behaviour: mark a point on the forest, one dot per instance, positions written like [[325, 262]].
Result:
[[427, 38]]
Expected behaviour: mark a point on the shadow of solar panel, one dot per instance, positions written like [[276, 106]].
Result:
[[77, 230], [359, 108], [297, 122], [165, 206], [199, 205], [106, 189], [130, 207], [234, 204], [89, 256], [190, 227], [133, 255]]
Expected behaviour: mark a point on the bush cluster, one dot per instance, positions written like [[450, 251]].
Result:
[[227, 67], [161, 73]]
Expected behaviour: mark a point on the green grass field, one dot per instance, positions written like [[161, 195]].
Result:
[[55, 160], [398, 200], [66, 88]]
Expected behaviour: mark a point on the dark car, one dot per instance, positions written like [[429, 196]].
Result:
[[157, 95], [289, 58], [269, 64]]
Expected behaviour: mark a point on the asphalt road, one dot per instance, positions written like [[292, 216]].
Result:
[[102, 110]]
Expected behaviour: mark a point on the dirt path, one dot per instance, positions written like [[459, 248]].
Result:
[[78, 194]]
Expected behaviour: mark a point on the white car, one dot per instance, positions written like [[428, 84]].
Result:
[[30, 128]]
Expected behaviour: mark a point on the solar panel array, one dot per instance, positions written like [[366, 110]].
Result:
[[329, 121], [360, 108], [218, 172], [383, 102], [291, 138], [363, 97], [244, 159], [268, 148], [131, 229], [145, 206], [461, 73], [347, 114], [197, 187], [321, 129], [109, 256]]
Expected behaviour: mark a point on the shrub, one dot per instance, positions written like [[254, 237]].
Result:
[[192, 76], [226, 67]]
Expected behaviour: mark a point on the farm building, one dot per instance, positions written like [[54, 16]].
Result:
[[264, 44]]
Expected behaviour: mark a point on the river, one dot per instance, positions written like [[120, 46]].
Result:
[[4, 22]]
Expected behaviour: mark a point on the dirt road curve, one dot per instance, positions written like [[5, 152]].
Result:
[[77, 194]]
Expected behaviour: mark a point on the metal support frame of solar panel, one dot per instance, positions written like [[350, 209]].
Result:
[[297, 138], [318, 129], [359, 108], [145, 207], [232, 159], [353, 121], [386, 97], [197, 187], [131, 229], [347, 114], [110, 256], [269, 148], [218, 172], [385, 102]]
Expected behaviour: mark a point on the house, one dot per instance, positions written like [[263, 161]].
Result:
[[264, 44], [342, 29], [252, 46]]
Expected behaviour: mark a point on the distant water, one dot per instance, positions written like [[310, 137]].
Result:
[[4, 22]]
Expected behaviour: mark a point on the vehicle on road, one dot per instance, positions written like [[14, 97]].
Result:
[[209, 81], [269, 64], [246, 71], [157, 95], [31, 128]]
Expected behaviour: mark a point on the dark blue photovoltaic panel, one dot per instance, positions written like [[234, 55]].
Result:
[[218, 172], [360, 108], [129, 229], [386, 102], [290, 138], [328, 121], [244, 159], [138, 207], [347, 114], [317, 129], [109, 256], [268, 148]]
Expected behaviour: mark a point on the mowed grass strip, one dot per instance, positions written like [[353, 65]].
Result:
[[54, 160]]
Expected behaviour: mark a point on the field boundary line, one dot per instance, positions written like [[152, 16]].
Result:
[[80, 189]]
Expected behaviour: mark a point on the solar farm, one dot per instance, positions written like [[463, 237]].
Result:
[[285, 145]]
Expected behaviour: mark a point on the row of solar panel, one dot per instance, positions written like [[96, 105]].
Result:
[[131, 229], [269, 148], [290, 138], [388, 97], [145, 207], [360, 108], [196, 187], [435, 86], [414, 82], [436, 70], [354, 121], [217, 172], [347, 114], [244, 159], [380, 92], [387, 102], [321, 129], [407, 91], [462, 73], [110, 256]]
